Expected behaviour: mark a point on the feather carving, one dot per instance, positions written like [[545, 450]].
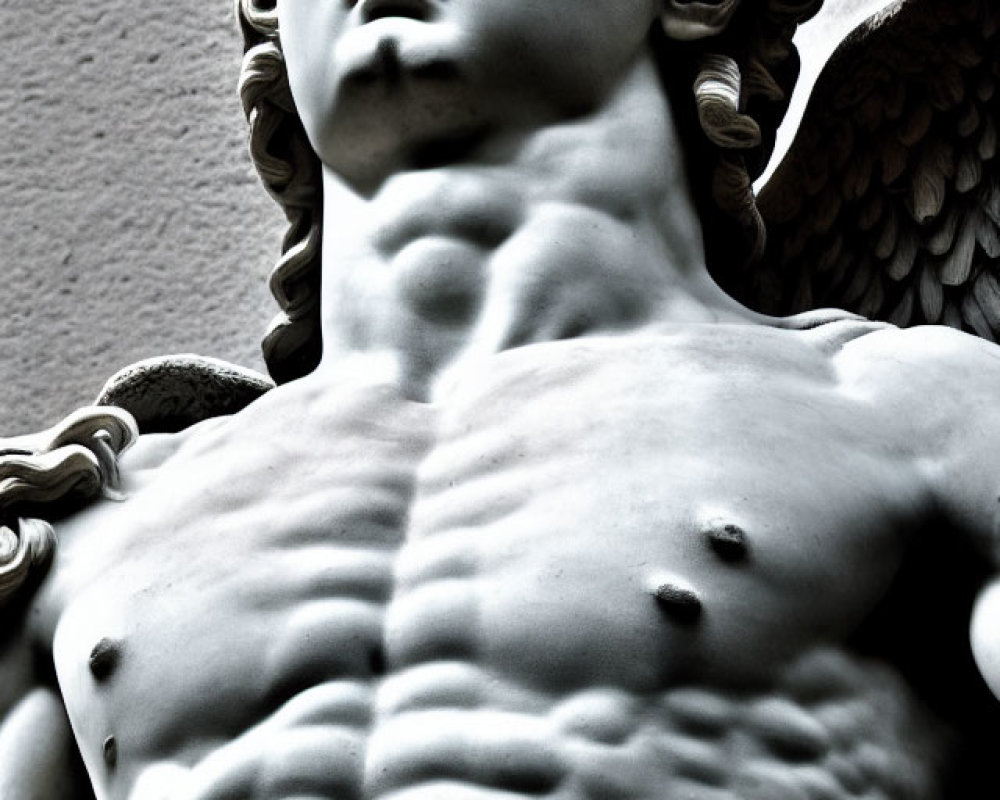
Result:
[[888, 203]]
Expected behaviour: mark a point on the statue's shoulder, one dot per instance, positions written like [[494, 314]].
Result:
[[931, 379], [54, 475], [831, 329], [940, 354], [927, 368]]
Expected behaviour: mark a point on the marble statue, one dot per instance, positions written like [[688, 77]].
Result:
[[536, 508]]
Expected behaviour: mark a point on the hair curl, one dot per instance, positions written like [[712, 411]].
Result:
[[741, 83], [52, 470]]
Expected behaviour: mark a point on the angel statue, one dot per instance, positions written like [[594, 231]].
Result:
[[540, 506]]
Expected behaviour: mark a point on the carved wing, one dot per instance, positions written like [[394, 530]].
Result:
[[888, 203], [168, 393]]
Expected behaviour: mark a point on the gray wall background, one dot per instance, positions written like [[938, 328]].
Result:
[[131, 220]]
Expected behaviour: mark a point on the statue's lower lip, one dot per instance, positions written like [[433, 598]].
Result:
[[372, 10]]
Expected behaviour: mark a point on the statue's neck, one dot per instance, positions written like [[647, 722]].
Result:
[[568, 229]]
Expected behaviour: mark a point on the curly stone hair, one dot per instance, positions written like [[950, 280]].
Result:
[[741, 81], [54, 471]]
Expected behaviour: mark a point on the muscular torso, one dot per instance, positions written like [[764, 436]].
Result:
[[609, 567]]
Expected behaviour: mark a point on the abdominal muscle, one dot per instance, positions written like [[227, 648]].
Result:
[[511, 646], [831, 727]]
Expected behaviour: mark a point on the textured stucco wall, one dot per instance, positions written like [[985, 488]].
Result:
[[131, 220]]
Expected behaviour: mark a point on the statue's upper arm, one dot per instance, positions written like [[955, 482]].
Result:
[[943, 388], [37, 749], [960, 418], [984, 634]]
